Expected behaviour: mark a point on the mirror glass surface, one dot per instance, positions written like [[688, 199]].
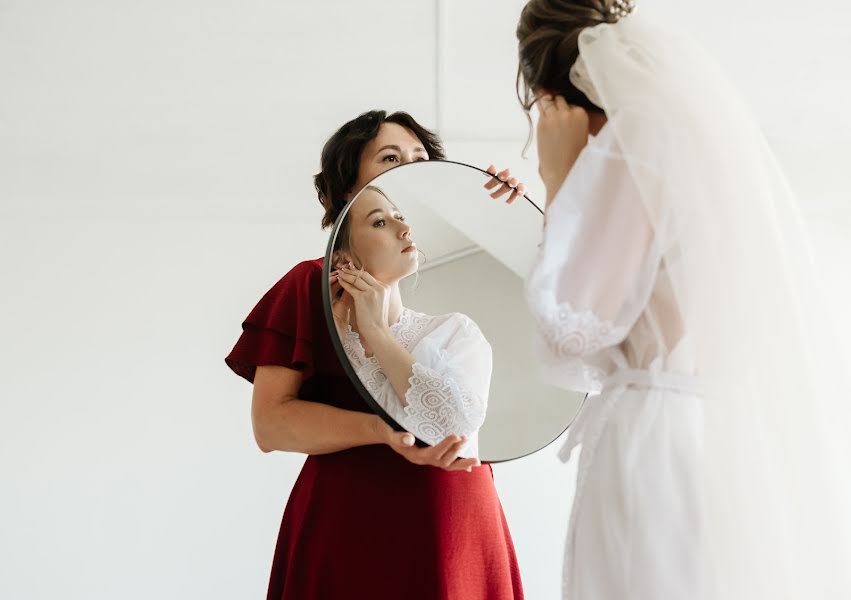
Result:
[[464, 321]]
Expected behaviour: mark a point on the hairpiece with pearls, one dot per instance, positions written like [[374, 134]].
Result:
[[622, 8]]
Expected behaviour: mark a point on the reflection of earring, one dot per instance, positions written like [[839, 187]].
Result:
[[417, 272]]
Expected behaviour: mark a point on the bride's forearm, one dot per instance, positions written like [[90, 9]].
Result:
[[396, 362]]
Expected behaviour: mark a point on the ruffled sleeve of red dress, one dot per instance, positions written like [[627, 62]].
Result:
[[280, 329]]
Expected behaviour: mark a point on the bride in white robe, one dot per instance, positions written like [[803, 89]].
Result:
[[602, 300], [675, 285]]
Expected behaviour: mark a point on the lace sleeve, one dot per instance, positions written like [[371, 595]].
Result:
[[449, 385], [594, 271]]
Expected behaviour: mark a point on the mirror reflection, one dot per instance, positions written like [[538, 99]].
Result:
[[424, 247]]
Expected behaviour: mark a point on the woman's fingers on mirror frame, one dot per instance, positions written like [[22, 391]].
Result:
[[494, 180], [456, 463], [450, 456], [441, 454], [507, 185], [433, 456], [448, 445], [491, 170], [450, 460], [510, 186], [520, 190], [465, 464]]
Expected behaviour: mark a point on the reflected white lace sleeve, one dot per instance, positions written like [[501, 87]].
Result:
[[449, 386]]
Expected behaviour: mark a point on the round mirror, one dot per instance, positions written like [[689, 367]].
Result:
[[446, 263]]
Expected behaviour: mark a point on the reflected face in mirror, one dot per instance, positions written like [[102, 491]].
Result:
[[394, 145], [377, 238]]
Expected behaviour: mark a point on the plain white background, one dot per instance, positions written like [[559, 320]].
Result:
[[156, 162]]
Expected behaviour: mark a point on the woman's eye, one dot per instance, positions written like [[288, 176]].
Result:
[[421, 159], [391, 157], [401, 218], [379, 223]]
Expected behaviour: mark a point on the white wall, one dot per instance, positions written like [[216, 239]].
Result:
[[155, 164]]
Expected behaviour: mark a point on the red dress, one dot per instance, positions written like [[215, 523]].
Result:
[[365, 522]]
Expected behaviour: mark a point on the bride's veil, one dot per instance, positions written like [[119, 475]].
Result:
[[776, 460]]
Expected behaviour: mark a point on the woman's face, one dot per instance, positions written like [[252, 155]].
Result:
[[379, 238], [393, 146]]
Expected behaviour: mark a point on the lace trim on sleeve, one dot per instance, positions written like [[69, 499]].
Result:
[[569, 333], [438, 407]]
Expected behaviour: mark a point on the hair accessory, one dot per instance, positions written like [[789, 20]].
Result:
[[622, 8]]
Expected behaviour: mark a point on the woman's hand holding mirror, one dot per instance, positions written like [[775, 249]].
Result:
[[444, 455], [506, 184]]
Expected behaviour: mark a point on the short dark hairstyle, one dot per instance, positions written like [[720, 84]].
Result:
[[341, 156]]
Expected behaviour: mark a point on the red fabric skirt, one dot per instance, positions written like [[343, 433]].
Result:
[[366, 523]]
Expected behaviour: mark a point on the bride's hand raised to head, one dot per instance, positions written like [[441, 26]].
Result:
[[371, 298], [563, 132], [509, 184]]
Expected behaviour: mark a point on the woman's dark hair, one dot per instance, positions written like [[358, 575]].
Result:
[[548, 46], [341, 156]]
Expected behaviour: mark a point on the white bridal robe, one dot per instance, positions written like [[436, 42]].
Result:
[[450, 380], [606, 325]]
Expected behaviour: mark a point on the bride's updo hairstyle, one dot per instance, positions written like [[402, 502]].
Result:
[[548, 46]]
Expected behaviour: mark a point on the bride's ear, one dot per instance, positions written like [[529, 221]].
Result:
[[340, 259]]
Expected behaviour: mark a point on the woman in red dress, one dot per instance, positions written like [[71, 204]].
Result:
[[370, 516]]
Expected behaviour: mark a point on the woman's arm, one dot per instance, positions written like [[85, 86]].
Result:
[[283, 422]]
